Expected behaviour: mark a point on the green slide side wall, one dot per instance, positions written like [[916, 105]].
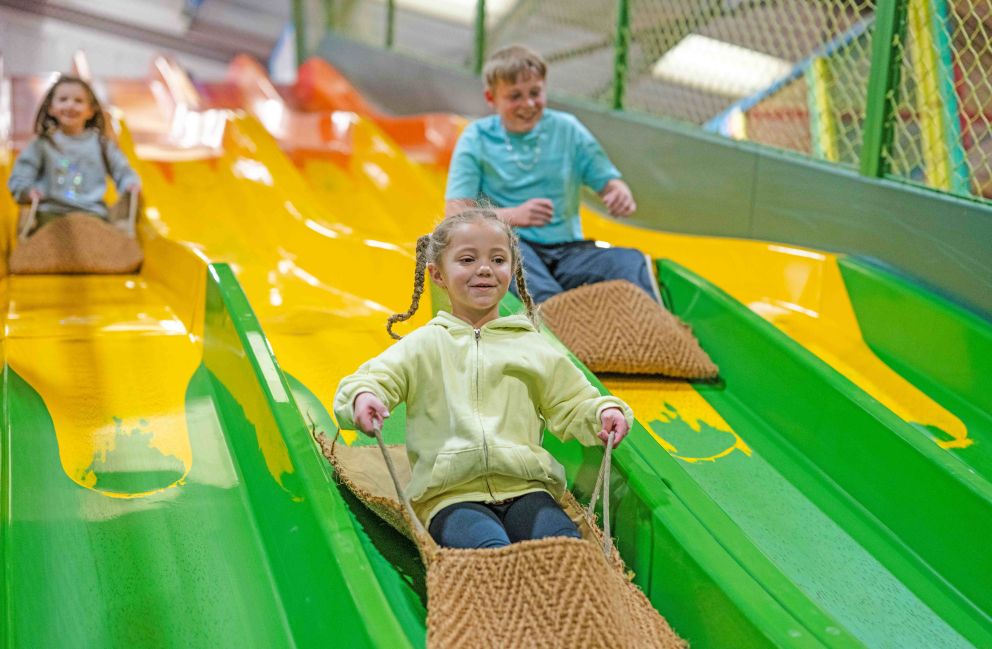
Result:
[[918, 509], [943, 349], [393, 557], [234, 557], [328, 587], [689, 181]]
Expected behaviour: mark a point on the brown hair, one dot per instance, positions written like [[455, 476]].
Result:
[[45, 125], [511, 62], [429, 249]]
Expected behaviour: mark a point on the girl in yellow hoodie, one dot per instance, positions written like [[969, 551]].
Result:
[[480, 389]]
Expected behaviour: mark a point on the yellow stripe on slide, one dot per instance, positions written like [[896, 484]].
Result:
[[675, 401], [802, 293]]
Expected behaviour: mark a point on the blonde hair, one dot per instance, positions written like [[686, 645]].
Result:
[[431, 246], [511, 62]]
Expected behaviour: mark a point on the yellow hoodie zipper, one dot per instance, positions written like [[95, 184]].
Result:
[[478, 409]]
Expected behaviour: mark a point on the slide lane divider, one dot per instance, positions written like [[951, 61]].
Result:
[[318, 559]]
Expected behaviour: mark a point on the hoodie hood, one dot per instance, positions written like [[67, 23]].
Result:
[[454, 324]]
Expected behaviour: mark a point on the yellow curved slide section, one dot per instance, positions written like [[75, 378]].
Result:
[[307, 264]]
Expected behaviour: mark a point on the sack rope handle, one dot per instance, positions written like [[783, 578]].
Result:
[[603, 481], [414, 520], [29, 222], [132, 213]]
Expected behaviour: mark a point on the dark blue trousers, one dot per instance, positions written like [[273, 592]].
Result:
[[554, 268], [480, 525]]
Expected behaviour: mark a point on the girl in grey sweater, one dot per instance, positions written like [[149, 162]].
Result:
[[66, 166]]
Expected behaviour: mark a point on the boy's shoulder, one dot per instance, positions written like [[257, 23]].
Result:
[[490, 128], [492, 123], [564, 121], [561, 116], [488, 124]]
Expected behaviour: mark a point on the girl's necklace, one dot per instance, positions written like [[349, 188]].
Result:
[[535, 152]]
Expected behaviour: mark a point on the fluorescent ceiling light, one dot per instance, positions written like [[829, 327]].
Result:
[[718, 67], [160, 16], [458, 11]]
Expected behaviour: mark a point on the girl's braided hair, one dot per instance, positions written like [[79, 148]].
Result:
[[45, 125], [429, 249]]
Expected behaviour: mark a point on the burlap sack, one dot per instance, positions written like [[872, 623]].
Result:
[[556, 593], [76, 243], [615, 327]]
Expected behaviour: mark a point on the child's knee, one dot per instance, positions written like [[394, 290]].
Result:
[[628, 258], [468, 526]]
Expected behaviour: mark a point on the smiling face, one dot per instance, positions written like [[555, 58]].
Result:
[[71, 107], [475, 269], [520, 104]]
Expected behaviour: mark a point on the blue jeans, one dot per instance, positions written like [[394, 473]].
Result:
[[480, 525], [554, 268]]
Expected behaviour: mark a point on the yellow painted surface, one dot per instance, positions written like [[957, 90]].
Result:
[[112, 364], [665, 401], [802, 293], [335, 186]]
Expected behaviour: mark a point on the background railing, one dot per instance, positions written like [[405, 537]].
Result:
[[892, 88]]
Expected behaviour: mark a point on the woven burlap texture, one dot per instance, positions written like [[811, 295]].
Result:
[[76, 243], [615, 327], [553, 593]]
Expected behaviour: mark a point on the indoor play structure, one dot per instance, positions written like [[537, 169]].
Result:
[[161, 483]]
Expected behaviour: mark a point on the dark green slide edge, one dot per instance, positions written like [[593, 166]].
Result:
[[328, 587], [920, 510], [941, 348]]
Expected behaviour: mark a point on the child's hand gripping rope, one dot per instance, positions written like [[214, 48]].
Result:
[[370, 413], [613, 422]]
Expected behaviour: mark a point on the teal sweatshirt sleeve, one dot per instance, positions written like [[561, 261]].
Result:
[[465, 170], [26, 171], [387, 376], [571, 406]]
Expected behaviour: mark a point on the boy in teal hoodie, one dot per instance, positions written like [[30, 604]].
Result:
[[531, 162]]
